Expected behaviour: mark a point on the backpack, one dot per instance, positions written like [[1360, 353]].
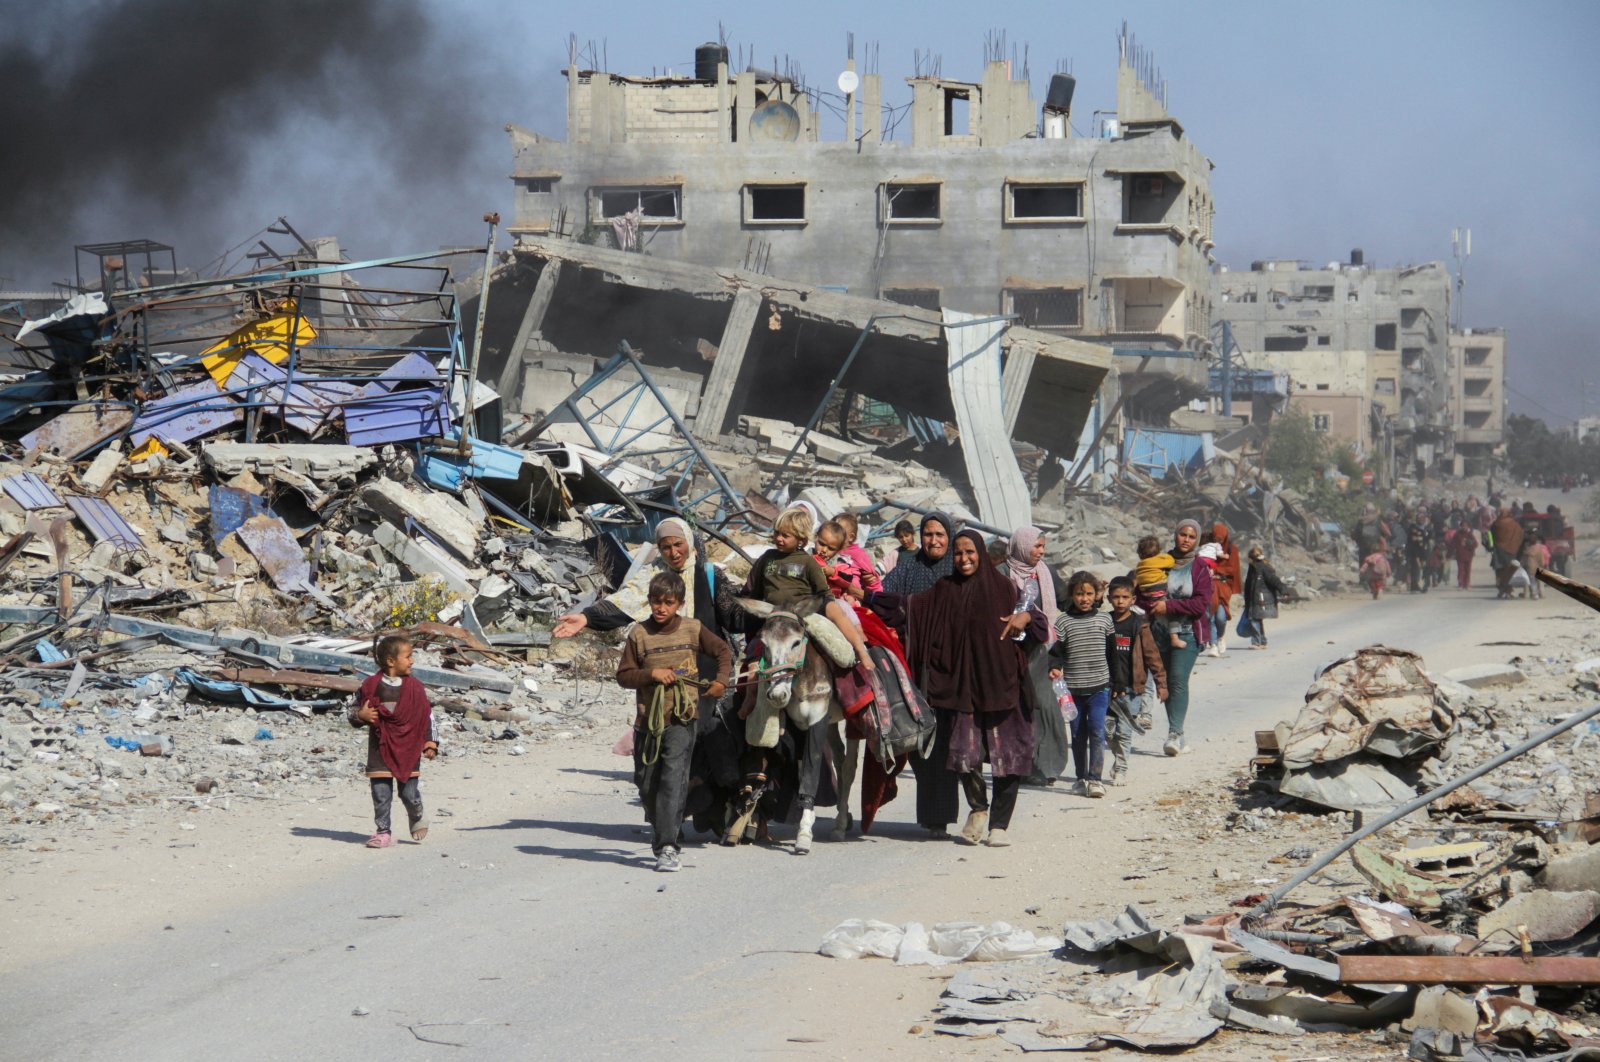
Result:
[[897, 722]]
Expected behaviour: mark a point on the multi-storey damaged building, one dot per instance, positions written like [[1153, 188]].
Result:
[[1304, 314], [1478, 365], [992, 207]]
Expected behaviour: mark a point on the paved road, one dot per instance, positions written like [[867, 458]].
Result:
[[532, 928]]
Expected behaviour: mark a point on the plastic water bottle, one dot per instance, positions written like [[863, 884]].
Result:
[[1069, 710]]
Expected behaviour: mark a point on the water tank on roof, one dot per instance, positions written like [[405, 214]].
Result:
[[706, 58], [1059, 98], [1358, 257]]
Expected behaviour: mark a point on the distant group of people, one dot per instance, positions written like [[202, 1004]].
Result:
[[1417, 543]]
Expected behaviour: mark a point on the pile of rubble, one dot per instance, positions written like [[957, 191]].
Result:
[[1468, 928]]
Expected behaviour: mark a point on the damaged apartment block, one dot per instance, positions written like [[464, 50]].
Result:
[[1101, 241]]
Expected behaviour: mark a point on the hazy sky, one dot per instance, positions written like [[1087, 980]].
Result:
[[1377, 125]]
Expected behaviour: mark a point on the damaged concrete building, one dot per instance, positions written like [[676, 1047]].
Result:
[[992, 207], [1478, 364], [1396, 319]]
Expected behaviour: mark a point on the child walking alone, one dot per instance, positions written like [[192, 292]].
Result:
[[1135, 663], [394, 708], [659, 662], [1084, 650]]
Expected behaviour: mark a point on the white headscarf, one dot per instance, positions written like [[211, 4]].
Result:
[[633, 597]]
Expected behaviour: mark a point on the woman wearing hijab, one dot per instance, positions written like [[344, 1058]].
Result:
[[938, 797], [964, 654], [1186, 608], [1036, 593], [1225, 580]]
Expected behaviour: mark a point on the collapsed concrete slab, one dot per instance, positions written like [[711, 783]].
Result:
[[316, 460], [774, 346]]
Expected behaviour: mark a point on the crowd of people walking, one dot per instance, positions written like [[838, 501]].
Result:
[[1020, 674]]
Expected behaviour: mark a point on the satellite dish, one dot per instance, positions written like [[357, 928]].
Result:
[[775, 120], [849, 81]]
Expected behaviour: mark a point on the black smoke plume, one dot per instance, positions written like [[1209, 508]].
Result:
[[151, 118]]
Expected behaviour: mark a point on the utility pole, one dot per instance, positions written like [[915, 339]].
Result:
[[1460, 250]]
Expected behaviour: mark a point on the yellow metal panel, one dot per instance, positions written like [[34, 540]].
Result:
[[268, 337]]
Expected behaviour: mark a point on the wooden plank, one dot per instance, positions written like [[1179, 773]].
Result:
[[251, 676], [1469, 970]]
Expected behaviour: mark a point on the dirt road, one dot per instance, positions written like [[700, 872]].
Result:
[[530, 925]]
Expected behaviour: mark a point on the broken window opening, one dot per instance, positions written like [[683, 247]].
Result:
[[1045, 202], [1384, 385], [1475, 388], [922, 298], [538, 185], [1280, 343], [1475, 419], [957, 112], [1047, 309], [1147, 197], [653, 204], [1324, 387], [1323, 341], [1477, 356], [1386, 337], [911, 202], [1410, 317], [1322, 422], [775, 202], [1320, 292], [1411, 357]]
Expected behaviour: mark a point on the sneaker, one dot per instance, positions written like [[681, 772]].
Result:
[[667, 862], [1095, 789], [1080, 788], [380, 840], [1118, 777], [1145, 722], [1173, 743]]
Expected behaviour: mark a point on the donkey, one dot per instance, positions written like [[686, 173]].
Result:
[[799, 680]]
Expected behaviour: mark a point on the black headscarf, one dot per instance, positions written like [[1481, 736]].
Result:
[[954, 629], [918, 572]]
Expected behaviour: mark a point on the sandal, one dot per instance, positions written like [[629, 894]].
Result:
[[419, 832], [380, 840]]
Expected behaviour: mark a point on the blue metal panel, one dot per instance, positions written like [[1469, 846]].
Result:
[[261, 383], [396, 417], [105, 524], [230, 508], [187, 413], [445, 470], [1158, 451], [30, 491], [413, 368]]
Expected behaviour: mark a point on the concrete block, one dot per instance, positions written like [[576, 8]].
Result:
[[1443, 1008], [1487, 676], [831, 449], [423, 558], [1548, 915], [101, 469], [1574, 869], [444, 517]]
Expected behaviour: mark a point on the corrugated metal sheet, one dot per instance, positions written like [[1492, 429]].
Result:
[[992, 469], [396, 417], [104, 523], [258, 381], [187, 413], [30, 491], [79, 430]]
